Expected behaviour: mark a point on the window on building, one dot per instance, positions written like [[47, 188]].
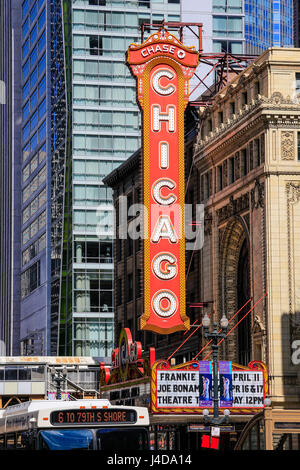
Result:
[[129, 287], [227, 6], [224, 26], [33, 13], [138, 283], [97, 2], [96, 47], [129, 246], [231, 170], [34, 249], [298, 146], [257, 157], [257, 88], [30, 279], [42, 19], [244, 162], [233, 47], [42, 42], [119, 291], [25, 28], [25, 7], [157, 19], [206, 186], [297, 84], [220, 117], [25, 49], [232, 108], [144, 20], [144, 3], [33, 35], [244, 98], [220, 177], [33, 77], [33, 56]]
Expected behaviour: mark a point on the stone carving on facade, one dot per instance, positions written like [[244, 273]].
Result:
[[276, 102], [257, 195], [207, 223], [234, 207], [258, 326], [287, 145]]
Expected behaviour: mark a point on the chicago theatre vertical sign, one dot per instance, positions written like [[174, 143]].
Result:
[[163, 67]]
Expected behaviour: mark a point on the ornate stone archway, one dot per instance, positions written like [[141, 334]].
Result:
[[232, 238]]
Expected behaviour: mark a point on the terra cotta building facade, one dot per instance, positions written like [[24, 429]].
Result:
[[248, 158]]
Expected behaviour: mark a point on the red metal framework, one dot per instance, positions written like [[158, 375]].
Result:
[[224, 65]]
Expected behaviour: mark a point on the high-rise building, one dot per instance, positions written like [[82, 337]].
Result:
[[223, 31], [268, 23], [296, 23], [10, 167], [43, 179], [105, 131]]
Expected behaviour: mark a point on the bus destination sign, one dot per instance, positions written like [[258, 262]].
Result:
[[93, 416]]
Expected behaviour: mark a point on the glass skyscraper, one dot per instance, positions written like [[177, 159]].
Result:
[[10, 169], [36, 173], [268, 23], [43, 174], [105, 131]]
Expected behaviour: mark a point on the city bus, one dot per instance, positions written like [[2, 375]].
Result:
[[74, 425], [272, 429]]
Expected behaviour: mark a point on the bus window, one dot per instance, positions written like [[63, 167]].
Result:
[[122, 439], [66, 439]]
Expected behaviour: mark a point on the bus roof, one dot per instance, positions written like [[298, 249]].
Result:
[[36, 405]]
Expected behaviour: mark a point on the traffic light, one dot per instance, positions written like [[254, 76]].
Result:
[[210, 442]]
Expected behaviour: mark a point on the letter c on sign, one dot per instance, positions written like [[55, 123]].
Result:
[[165, 91], [156, 192]]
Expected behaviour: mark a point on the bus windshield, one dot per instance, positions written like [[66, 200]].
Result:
[[122, 439], [66, 439]]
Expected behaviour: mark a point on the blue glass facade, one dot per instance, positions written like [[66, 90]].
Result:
[[268, 23], [34, 321]]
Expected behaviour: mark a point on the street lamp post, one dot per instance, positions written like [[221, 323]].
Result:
[[215, 336], [58, 377]]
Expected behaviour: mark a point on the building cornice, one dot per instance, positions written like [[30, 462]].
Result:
[[276, 111]]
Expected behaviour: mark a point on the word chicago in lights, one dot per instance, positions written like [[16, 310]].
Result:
[[163, 67]]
